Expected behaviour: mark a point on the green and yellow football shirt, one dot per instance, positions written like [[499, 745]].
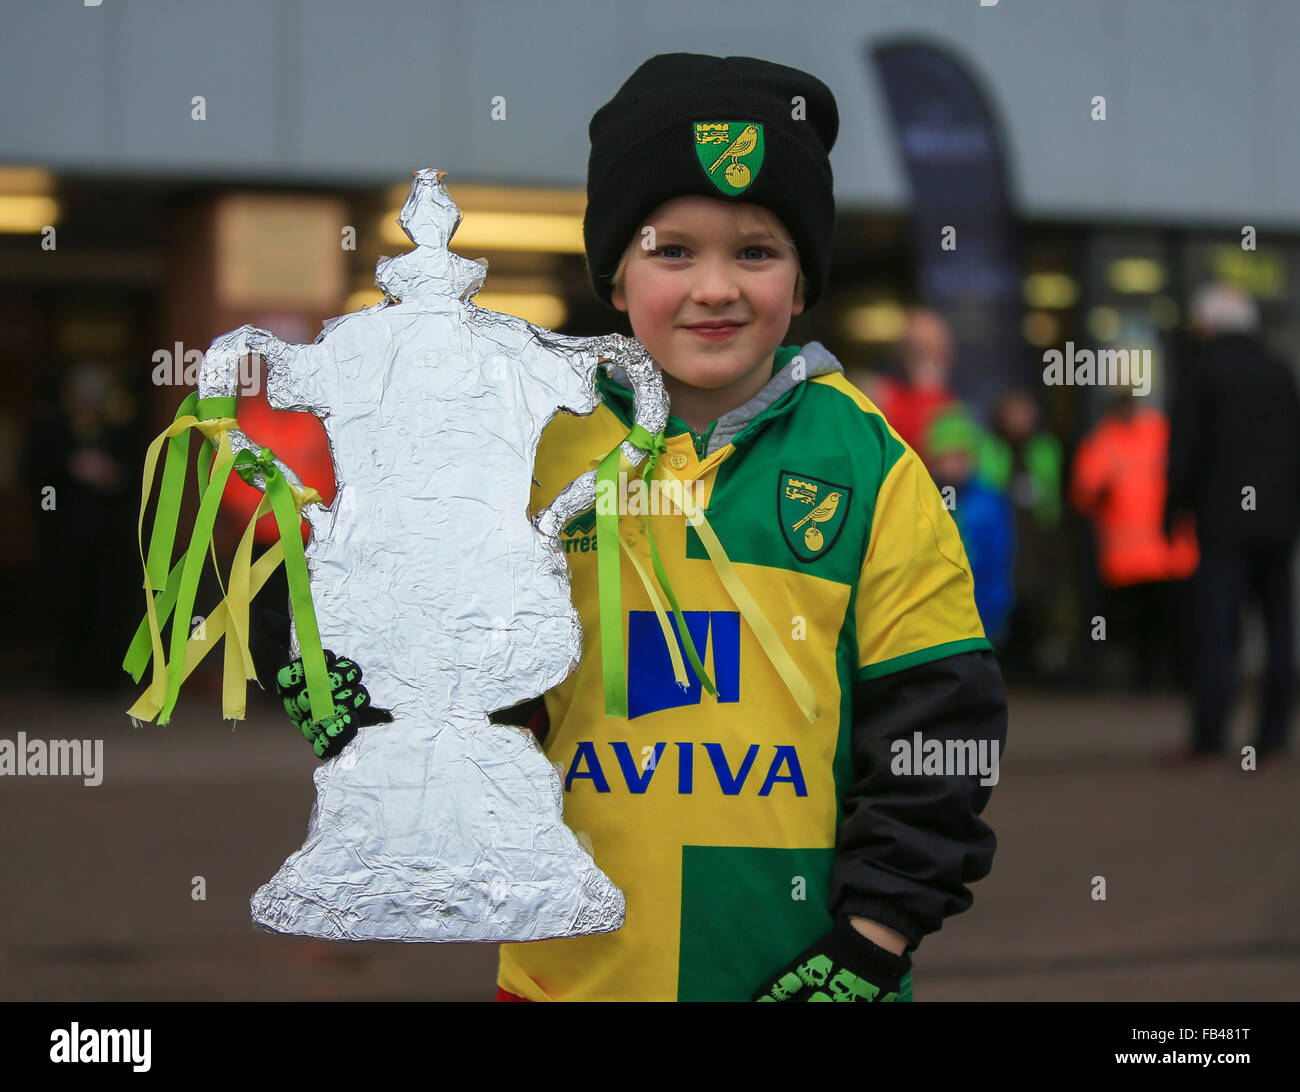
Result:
[[718, 816]]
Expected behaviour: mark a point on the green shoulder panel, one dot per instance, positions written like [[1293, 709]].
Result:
[[805, 497]]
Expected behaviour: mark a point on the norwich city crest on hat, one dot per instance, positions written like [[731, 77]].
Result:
[[731, 153]]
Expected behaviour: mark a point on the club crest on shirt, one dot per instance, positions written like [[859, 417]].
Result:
[[811, 513], [731, 153]]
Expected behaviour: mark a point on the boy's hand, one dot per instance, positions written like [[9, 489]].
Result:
[[841, 966], [351, 701]]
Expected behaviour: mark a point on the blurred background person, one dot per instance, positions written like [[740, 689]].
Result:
[[925, 352], [982, 514], [1235, 467], [1023, 462], [84, 530], [1118, 481]]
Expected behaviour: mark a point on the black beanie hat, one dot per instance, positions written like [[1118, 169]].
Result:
[[724, 127]]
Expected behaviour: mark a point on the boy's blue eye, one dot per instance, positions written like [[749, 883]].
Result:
[[748, 253]]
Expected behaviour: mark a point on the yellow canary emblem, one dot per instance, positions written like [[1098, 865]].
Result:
[[825, 511], [737, 144], [821, 520]]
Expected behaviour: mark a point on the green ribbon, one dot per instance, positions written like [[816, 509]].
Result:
[[162, 537], [609, 575], [163, 534], [191, 570], [179, 586], [295, 570]]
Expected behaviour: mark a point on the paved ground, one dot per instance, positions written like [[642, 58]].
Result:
[[1202, 869]]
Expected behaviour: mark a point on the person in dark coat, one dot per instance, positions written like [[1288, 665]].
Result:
[[77, 463], [1235, 465]]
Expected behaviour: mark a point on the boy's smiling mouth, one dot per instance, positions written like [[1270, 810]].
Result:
[[715, 329]]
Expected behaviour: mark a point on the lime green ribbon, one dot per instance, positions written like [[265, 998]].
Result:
[[295, 569], [609, 573], [214, 417]]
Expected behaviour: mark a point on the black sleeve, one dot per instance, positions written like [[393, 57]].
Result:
[[1293, 437], [908, 844], [268, 639]]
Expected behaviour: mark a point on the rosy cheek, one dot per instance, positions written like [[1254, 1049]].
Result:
[[660, 307]]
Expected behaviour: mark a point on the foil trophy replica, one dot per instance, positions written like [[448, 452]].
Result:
[[428, 572]]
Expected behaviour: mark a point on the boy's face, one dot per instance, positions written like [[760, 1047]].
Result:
[[710, 260]]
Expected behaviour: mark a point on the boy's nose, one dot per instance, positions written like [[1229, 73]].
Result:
[[714, 284]]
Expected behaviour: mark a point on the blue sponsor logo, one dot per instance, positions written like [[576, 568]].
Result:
[[650, 682], [783, 766]]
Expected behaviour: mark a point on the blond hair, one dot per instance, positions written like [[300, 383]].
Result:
[[773, 222]]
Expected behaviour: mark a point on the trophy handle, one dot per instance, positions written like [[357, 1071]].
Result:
[[219, 378], [650, 411]]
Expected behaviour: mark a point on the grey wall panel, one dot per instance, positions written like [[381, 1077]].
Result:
[[375, 88], [58, 83], [1199, 93], [1192, 88], [1041, 65], [171, 52]]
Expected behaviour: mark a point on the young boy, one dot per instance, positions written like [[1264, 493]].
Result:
[[760, 854], [765, 851]]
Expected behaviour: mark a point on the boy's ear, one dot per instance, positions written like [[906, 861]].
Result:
[[618, 299]]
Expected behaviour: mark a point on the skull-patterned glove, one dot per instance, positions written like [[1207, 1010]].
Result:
[[351, 703], [841, 966]]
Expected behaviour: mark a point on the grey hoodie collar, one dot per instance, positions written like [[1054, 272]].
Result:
[[816, 360]]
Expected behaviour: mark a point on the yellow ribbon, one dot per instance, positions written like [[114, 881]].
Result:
[[231, 617], [674, 652], [158, 557], [794, 679], [611, 600], [213, 629]]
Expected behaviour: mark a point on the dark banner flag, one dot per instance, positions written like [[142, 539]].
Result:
[[953, 156]]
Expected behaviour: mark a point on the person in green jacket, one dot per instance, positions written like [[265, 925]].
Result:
[[1023, 461]]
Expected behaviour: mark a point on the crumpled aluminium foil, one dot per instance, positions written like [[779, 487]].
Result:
[[428, 572]]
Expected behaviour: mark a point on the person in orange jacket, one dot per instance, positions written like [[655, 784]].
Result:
[[1118, 480]]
